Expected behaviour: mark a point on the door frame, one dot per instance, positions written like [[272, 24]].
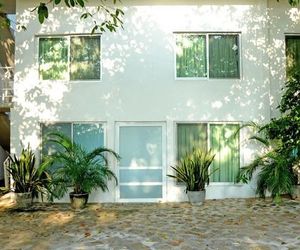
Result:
[[164, 158]]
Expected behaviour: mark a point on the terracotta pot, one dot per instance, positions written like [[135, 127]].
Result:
[[196, 197], [78, 201]]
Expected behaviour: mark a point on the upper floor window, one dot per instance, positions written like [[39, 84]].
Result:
[[292, 55], [200, 55], [75, 58]]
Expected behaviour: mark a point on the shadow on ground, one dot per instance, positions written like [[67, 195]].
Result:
[[218, 224]]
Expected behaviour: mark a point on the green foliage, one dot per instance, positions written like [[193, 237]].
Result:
[[4, 21], [287, 126], [42, 12], [281, 140], [85, 58], [79, 169], [53, 58], [193, 169], [26, 176], [290, 99], [113, 15], [294, 3], [274, 166], [275, 175]]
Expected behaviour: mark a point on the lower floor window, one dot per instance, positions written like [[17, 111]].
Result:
[[220, 138], [88, 135], [141, 146]]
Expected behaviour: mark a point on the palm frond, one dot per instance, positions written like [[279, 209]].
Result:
[[260, 139], [274, 167], [78, 168]]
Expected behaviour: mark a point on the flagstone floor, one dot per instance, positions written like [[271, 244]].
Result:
[[218, 224]]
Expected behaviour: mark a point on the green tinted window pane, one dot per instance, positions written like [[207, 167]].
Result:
[[53, 58], [141, 192], [89, 136], [51, 148], [190, 136], [225, 146], [85, 58], [292, 55], [140, 175], [224, 56], [190, 55], [64, 128]]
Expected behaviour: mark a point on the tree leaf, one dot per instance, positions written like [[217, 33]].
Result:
[[94, 29], [67, 3], [81, 3], [42, 12], [84, 16], [72, 2]]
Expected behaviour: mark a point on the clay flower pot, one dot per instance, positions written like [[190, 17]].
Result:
[[78, 201]]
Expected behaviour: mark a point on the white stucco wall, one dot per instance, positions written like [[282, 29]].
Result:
[[283, 20], [138, 81]]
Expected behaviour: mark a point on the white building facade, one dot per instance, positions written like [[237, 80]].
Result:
[[180, 74]]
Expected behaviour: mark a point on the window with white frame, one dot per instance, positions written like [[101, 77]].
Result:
[[207, 55], [75, 58], [88, 135], [292, 55], [222, 139]]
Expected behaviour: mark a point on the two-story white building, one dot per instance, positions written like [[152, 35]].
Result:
[[180, 74]]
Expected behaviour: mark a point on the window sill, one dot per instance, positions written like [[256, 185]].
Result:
[[86, 81], [72, 81], [216, 184], [225, 184], [206, 79]]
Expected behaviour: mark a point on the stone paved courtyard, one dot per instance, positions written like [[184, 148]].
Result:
[[219, 224]]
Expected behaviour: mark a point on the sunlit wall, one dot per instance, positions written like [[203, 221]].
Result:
[[138, 74]]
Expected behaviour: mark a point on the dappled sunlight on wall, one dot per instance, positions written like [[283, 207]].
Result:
[[294, 15], [138, 76], [136, 49], [183, 17], [25, 17], [138, 67], [36, 101], [246, 94], [283, 20]]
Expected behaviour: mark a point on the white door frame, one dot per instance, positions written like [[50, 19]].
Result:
[[164, 158]]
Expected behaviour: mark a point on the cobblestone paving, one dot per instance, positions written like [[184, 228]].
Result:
[[218, 224]]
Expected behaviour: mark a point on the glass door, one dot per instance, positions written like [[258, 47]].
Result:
[[141, 168]]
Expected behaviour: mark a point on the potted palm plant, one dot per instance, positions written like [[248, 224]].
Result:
[[28, 179], [193, 171], [78, 169]]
